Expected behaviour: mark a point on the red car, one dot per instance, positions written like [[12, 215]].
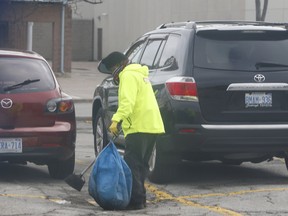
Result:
[[37, 119]]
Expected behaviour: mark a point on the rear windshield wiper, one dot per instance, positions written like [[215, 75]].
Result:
[[269, 64], [19, 85]]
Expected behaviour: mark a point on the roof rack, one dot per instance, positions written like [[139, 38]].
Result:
[[191, 24], [240, 22], [187, 24]]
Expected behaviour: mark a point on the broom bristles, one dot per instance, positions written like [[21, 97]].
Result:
[[75, 181]]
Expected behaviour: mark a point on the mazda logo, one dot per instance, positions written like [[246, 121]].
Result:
[[6, 103], [259, 78]]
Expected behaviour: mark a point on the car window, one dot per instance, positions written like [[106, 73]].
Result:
[[16, 70], [169, 56], [241, 50], [158, 55], [134, 52], [150, 53]]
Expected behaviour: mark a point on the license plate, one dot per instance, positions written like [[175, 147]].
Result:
[[258, 99], [10, 145]]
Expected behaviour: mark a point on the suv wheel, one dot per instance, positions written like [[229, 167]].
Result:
[[100, 132], [160, 171], [60, 169]]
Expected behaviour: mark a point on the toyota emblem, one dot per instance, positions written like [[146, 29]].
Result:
[[6, 103], [259, 78]]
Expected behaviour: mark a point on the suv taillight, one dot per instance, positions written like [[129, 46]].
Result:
[[60, 105], [182, 88]]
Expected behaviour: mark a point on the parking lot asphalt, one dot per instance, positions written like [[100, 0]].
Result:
[[80, 83]]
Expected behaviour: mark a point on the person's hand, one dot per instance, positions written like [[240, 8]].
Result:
[[113, 128]]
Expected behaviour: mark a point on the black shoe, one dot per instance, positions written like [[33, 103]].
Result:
[[135, 207]]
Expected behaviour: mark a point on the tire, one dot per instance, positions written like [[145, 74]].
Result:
[[100, 132], [160, 171], [60, 169]]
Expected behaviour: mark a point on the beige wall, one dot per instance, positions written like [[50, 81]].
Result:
[[277, 10], [124, 20], [82, 40], [17, 15]]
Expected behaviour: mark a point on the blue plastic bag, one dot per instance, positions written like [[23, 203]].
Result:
[[110, 181]]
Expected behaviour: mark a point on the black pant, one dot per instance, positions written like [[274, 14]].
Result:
[[139, 147]]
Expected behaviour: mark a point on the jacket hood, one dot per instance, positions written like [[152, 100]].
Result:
[[137, 68]]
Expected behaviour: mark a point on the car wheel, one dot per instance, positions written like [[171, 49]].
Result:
[[100, 132], [60, 169], [160, 171]]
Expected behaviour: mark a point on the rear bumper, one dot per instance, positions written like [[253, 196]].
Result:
[[39, 155], [57, 127], [42, 143], [227, 139]]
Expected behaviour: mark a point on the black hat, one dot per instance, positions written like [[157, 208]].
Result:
[[110, 61]]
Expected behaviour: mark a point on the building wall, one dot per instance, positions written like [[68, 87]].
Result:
[[120, 23], [277, 10], [123, 21], [82, 40], [17, 15], [82, 36], [43, 39]]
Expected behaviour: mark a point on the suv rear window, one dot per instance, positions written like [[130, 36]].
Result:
[[241, 50], [16, 70]]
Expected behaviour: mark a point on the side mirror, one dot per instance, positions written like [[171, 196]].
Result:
[[103, 69]]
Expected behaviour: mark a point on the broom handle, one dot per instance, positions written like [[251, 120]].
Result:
[[88, 167]]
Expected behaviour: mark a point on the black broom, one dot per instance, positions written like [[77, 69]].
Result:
[[77, 181]]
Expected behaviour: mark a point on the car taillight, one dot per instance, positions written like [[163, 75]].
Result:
[[182, 88], [60, 105]]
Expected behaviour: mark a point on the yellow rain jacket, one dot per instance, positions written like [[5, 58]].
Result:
[[137, 106]]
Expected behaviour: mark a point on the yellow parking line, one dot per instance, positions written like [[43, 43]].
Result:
[[233, 193], [161, 195]]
